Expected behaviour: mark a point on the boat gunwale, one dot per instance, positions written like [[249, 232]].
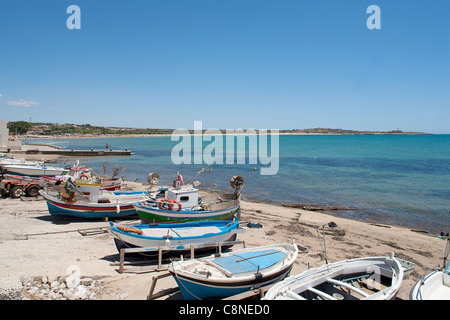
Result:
[[227, 228], [179, 214]]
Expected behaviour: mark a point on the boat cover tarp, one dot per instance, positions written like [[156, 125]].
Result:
[[249, 261]]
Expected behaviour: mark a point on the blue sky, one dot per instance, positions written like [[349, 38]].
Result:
[[231, 63]]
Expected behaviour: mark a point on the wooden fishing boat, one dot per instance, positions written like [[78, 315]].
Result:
[[86, 201], [434, 284], [183, 204], [231, 273], [369, 278], [174, 237]]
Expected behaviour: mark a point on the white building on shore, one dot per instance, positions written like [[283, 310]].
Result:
[[7, 144]]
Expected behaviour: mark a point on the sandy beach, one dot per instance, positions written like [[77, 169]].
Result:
[[34, 244]]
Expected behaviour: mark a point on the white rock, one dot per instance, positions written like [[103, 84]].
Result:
[[54, 285], [72, 282], [122, 295], [81, 292]]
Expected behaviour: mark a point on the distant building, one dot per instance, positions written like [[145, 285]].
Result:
[[4, 135], [6, 144]]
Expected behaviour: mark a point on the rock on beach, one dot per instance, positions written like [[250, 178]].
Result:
[[39, 288]]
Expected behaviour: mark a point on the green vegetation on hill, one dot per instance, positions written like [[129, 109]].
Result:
[[68, 129], [343, 131], [85, 129]]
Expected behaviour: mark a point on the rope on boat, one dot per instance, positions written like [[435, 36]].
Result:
[[179, 281]]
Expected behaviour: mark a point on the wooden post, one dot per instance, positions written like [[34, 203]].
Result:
[[159, 257], [122, 258], [192, 251], [164, 292]]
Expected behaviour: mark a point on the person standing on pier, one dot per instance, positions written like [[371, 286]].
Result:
[[106, 146]]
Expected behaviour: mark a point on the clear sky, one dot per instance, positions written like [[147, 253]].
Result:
[[280, 64]]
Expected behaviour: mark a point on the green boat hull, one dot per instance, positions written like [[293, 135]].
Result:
[[154, 215]]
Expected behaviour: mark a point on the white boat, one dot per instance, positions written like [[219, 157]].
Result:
[[434, 285], [36, 170], [10, 161], [369, 278], [174, 237], [231, 273]]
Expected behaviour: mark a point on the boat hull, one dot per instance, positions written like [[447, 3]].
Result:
[[150, 214], [57, 207], [181, 234], [202, 284], [322, 282], [431, 288], [33, 171], [194, 290], [181, 249]]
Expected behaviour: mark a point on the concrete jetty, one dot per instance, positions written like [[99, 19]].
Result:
[[49, 149]]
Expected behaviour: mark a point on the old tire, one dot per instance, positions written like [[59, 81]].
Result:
[[32, 191], [16, 192]]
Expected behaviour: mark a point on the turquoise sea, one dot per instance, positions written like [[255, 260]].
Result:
[[391, 179]]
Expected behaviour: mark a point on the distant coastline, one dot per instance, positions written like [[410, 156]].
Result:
[[64, 131], [79, 136]]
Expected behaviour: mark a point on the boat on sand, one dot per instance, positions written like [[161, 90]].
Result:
[[435, 283], [182, 204], [86, 201], [231, 273], [368, 278], [174, 237]]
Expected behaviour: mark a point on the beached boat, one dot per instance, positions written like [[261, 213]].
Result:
[[174, 237], [182, 204], [231, 273], [369, 278], [435, 283], [86, 201], [84, 174], [10, 161], [36, 170]]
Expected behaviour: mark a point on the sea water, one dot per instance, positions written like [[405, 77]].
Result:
[[390, 179]]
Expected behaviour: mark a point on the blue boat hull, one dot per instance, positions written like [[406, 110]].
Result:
[[87, 213], [177, 236], [195, 290], [207, 250]]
